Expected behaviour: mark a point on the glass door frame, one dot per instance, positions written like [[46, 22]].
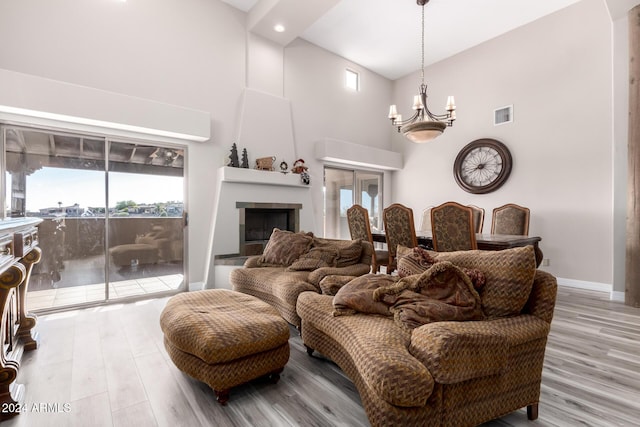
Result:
[[356, 191]]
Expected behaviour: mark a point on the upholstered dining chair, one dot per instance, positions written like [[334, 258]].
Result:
[[452, 228], [399, 230], [360, 229], [478, 218], [425, 222], [510, 219]]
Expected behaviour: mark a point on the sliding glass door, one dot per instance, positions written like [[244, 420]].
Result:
[[102, 202], [146, 208], [338, 197], [342, 189]]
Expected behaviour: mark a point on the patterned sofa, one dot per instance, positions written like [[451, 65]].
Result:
[[293, 263], [447, 373]]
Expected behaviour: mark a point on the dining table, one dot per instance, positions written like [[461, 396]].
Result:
[[487, 242]]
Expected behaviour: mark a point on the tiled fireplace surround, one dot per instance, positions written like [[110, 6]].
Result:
[[257, 220]]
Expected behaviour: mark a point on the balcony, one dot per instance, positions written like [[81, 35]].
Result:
[[74, 269]]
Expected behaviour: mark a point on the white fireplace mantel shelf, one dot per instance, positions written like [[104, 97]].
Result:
[[254, 176]]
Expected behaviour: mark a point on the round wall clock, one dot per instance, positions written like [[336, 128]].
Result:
[[482, 166]]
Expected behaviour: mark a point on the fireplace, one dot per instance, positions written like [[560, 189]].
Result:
[[257, 221]]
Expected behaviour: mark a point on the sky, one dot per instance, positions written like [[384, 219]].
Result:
[[48, 186]]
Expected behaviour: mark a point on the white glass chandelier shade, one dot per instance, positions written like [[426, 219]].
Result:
[[420, 132]]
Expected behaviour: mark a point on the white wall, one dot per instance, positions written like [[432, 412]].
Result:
[[264, 65], [557, 73], [323, 108]]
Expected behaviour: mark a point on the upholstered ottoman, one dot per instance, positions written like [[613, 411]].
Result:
[[224, 338]]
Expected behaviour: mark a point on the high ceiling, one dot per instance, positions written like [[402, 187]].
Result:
[[384, 35]]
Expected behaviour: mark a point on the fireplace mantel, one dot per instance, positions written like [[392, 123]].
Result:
[[254, 176]]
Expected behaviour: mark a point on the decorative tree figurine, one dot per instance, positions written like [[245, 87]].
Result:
[[245, 159], [233, 158]]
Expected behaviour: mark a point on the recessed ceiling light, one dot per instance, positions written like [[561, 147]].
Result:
[[279, 28]]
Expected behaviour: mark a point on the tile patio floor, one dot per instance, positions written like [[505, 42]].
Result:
[[60, 297]]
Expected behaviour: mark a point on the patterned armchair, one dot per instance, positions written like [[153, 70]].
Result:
[[510, 219], [360, 229], [399, 230], [453, 228]]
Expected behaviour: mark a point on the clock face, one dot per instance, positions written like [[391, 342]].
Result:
[[482, 166]]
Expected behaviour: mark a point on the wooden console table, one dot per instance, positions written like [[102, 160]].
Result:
[[18, 253]]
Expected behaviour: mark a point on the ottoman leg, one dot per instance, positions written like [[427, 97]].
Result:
[[222, 396], [274, 376], [309, 350]]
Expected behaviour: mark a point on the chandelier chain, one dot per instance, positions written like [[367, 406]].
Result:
[[422, 75]]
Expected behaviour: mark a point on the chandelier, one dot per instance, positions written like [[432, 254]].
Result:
[[423, 126]]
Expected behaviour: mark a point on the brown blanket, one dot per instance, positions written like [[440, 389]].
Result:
[[357, 295], [442, 293]]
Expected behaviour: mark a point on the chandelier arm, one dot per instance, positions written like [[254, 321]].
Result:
[[407, 121], [437, 116]]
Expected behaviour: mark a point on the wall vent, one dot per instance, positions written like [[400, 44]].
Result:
[[503, 115]]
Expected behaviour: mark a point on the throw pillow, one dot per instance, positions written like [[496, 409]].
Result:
[[349, 251], [284, 247], [349, 254], [314, 259], [509, 277], [418, 260], [413, 261], [330, 285], [307, 264]]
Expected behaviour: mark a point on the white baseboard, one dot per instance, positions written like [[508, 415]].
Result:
[[616, 296], [582, 284], [593, 286], [196, 286]]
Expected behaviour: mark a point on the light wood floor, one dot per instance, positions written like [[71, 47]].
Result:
[[108, 367]]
